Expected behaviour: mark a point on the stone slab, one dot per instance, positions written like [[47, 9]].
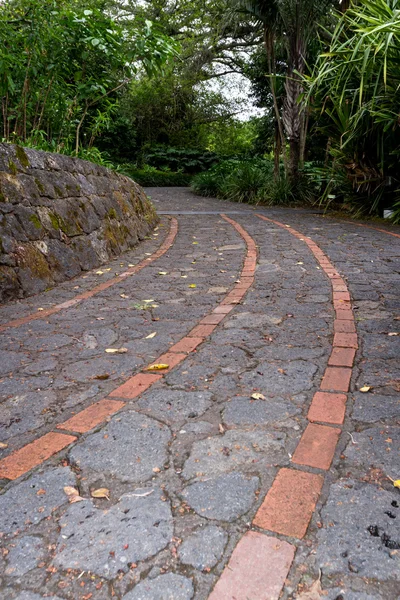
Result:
[[225, 498]]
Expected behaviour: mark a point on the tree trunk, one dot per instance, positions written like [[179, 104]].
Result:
[[277, 152], [294, 159]]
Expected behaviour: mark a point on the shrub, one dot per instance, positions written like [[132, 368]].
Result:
[[175, 159], [237, 180], [151, 177]]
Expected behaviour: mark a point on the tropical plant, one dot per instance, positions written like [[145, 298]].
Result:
[[355, 89], [288, 26]]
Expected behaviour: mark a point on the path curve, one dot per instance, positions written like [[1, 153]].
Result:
[[261, 459]]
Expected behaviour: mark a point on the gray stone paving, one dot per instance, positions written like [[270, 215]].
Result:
[[188, 463]]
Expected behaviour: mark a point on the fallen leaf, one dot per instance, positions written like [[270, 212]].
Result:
[[116, 350], [151, 335], [100, 493], [365, 388], [130, 265], [99, 272], [124, 296], [100, 318], [184, 276], [71, 491], [156, 470], [195, 242], [396, 483], [162, 273], [3, 445], [299, 263], [192, 285], [73, 499], [314, 593], [258, 396], [221, 428], [148, 253], [157, 367], [40, 308], [102, 377], [392, 333], [108, 269], [148, 301]]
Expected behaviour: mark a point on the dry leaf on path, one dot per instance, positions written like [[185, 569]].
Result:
[[148, 301], [73, 494], [124, 296], [3, 445], [151, 335], [314, 593], [392, 333], [365, 389], [162, 273], [157, 367], [99, 272], [100, 493], [192, 285], [116, 350], [257, 396]]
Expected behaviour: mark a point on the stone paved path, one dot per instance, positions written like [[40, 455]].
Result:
[[247, 470]]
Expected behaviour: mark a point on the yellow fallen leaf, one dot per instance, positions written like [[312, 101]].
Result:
[[3, 445], [157, 367], [392, 333], [124, 296], [73, 499], [192, 285], [299, 263], [195, 242], [40, 308], [396, 483], [99, 272], [365, 388], [108, 269], [147, 301], [162, 273], [100, 493], [130, 265], [71, 491], [116, 350], [257, 396], [148, 253], [184, 276], [151, 335], [156, 470]]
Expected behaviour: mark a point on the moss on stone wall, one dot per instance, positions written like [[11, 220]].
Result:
[[22, 157]]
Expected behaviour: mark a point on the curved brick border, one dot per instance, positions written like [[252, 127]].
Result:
[[26, 458], [262, 562], [166, 245], [378, 229]]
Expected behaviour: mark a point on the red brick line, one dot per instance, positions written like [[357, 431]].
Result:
[[378, 229], [289, 505], [33, 454], [166, 245]]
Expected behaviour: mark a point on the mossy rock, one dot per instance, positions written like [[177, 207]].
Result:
[[29, 257], [22, 156], [36, 221]]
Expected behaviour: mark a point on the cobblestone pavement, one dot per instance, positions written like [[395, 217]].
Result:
[[222, 481]]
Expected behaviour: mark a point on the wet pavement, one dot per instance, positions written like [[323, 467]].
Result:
[[187, 463]]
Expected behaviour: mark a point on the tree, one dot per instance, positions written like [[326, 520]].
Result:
[[287, 25], [61, 64]]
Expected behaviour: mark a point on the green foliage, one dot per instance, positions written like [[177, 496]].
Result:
[[189, 160], [151, 177], [237, 180], [62, 67], [356, 90]]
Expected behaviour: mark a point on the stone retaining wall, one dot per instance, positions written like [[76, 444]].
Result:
[[60, 216]]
